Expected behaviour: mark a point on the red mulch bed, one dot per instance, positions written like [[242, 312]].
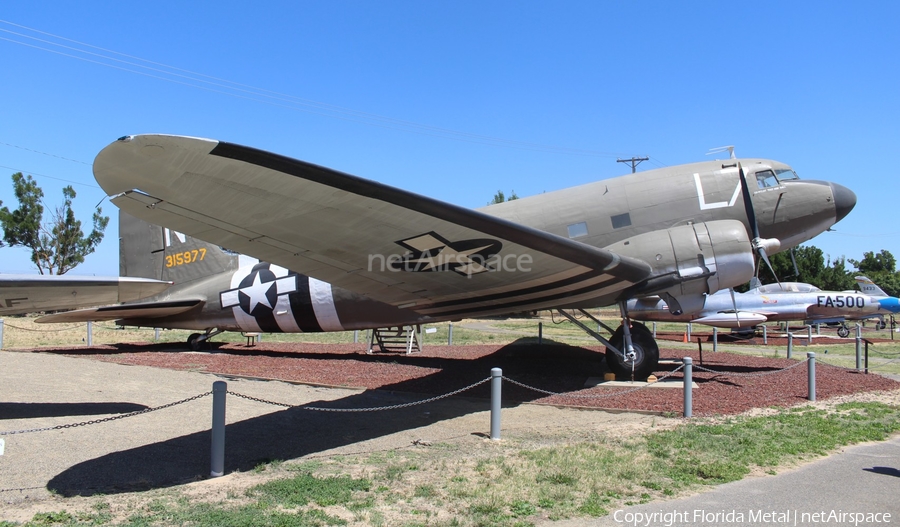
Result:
[[551, 367]]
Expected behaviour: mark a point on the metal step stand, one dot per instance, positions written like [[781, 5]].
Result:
[[402, 339]]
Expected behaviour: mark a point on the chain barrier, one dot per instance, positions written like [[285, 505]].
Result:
[[592, 396], [8, 325], [742, 374], [107, 419], [373, 409]]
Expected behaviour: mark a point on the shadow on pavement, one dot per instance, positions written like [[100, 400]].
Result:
[[33, 410], [295, 432]]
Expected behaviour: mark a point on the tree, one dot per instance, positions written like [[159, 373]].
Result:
[[60, 244], [499, 197], [881, 268]]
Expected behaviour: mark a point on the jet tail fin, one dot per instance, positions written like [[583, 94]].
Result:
[[151, 251], [868, 287]]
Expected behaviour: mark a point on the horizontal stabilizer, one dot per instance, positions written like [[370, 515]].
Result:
[[138, 310], [31, 293]]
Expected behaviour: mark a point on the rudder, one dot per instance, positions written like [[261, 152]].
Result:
[[151, 251]]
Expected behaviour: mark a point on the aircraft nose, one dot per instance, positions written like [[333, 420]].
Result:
[[844, 201]]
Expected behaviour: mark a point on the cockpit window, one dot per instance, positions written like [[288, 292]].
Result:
[[766, 179], [785, 174]]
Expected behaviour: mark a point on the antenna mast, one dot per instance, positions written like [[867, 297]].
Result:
[[729, 148]]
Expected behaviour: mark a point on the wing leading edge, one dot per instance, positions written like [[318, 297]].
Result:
[[392, 245]]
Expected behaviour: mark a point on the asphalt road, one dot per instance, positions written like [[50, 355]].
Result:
[[858, 486]]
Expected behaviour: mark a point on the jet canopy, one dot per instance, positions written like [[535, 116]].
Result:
[[789, 287]]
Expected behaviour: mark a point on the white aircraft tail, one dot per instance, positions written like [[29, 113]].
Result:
[[868, 287]]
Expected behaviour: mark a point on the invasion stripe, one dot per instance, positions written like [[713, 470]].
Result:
[[323, 305], [301, 306]]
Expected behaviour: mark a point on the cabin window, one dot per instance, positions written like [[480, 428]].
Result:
[[786, 174], [766, 179], [577, 230], [621, 220]]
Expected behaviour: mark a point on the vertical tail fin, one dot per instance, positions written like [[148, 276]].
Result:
[[151, 251], [868, 287]]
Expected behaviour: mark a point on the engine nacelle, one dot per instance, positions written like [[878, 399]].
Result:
[[690, 261]]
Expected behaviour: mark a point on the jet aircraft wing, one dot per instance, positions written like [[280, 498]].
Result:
[[30, 293], [389, 244], [134, 310]]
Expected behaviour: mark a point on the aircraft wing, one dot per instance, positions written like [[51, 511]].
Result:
[[134, 310], [389, 244], [29, 293]]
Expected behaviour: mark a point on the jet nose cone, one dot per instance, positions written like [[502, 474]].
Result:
[[844, 201]]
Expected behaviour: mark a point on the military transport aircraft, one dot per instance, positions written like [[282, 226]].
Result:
[[376, 256], [22, 293], [786, 301]]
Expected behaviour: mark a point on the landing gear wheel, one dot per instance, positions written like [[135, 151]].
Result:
[[880, 324], [194, 341], [646, 353], [843, 332]]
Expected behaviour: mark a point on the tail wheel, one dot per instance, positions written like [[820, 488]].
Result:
[[843, 332], [646, 353], [193, 341]]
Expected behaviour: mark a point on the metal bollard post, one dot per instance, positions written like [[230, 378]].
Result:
[[818, 329], [688, 387], [540, 332], [765, 334], [90, 333], [858, 347], [450, 335], [654, 330], [689, 328], [217, 463], [715, 339], [790, 344], [496, 380], [156, 334], [809, 333], [355, 336], [811, 373]]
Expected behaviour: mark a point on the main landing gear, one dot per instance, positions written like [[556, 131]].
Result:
[[631, 352], [195, 340]]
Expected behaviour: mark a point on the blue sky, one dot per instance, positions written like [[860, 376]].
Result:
[[456, 100]]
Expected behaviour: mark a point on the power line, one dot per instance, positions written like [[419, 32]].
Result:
[[197, 80]]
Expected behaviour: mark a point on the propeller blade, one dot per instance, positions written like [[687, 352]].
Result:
[[737, 317], [794, 261], [765, 257], [757, 242], [748, 203]]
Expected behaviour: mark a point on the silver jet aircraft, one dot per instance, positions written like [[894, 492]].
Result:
[[787, 301], [376, 256]]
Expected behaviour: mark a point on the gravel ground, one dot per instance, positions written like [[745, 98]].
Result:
[[747, 381]]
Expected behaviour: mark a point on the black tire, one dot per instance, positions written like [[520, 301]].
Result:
[[843, 332], [880, 324], [193, 341], [645, 349]]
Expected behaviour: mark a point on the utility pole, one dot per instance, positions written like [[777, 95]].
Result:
[[635, 161]]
